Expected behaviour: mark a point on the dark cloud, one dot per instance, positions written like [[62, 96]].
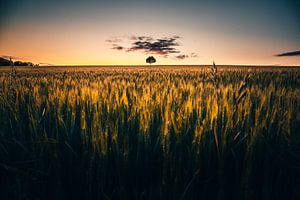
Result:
[[141, 38], [147, 44], [291, 53], [161, 46], [181, 56], [117, 47], [114, 43]]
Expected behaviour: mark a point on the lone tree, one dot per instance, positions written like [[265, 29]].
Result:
[[150, 60]]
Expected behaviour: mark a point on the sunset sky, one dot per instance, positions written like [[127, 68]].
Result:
[[125, 32]]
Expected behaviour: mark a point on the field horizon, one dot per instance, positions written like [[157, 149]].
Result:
[[162, 65]]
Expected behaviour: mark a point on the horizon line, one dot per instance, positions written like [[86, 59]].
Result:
[[160, 65]]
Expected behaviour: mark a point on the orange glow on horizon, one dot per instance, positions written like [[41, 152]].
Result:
[[66, 44]]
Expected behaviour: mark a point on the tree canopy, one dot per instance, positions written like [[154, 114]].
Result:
[[150, 60]]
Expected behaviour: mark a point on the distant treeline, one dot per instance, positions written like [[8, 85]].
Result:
[[6, 62]]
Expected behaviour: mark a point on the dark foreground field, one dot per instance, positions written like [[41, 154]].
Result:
[[150, 133]]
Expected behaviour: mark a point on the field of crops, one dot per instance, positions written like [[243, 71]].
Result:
[[150, 133]]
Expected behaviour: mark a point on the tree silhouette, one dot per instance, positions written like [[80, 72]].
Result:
[[4, 62], [150, 60]]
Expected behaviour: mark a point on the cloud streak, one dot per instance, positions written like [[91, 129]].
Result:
[[194, 55], [181, 57], [287, 54], [117, 47]]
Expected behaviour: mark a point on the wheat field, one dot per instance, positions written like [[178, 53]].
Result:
[[211, 132]]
